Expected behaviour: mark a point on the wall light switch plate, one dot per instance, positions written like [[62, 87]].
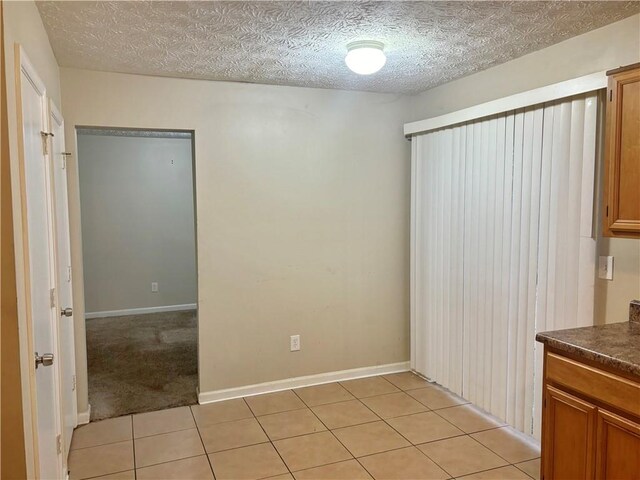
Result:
[[154, 287], [295, 343], [605, 268]]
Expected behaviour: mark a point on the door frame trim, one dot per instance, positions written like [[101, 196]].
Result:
[[25, 324], [55, 116]]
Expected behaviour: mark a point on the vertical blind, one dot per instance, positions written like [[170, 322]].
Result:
[[502, 246]]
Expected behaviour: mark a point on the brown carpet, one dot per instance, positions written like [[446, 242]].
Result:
[[141, 363]]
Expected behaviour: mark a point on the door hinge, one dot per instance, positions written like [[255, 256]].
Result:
[[610, 95], [45, 142], [607, 214], [59, 443], [65, 155], [69, 274], [52, 297], [73, 384]]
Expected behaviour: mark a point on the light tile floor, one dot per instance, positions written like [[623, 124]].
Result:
[[387, 427]]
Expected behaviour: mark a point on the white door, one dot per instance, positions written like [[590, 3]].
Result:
[[67, 361], [38, 231]]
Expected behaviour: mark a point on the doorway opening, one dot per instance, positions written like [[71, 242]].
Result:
[[137, 203]]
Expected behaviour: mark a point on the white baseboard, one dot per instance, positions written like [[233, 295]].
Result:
[[84, 417], [139, 311], [297, 382]]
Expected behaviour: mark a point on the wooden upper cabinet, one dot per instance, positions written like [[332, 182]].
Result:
[[622, 154]]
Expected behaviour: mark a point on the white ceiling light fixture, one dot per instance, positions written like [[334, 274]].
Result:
[[365, 57]]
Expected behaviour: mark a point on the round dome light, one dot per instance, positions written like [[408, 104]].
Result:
[[365, 57]]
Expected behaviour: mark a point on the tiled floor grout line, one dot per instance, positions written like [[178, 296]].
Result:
[[492, 451], [110, 473], [489, 448], [164, 433], [411, 444], [328, 429], [365, 468], [419, 450], [372, 454], [409, 441], [489, 469], [100, 445], [338, 401], [133, 447], [359, 400], [516, 465], [336, 437], [140, 438], [319, 405], [436, 463], [242, 446], [324, 465], [267, 435], [171, 461], [204, 447], [467, 433], [372, 376]]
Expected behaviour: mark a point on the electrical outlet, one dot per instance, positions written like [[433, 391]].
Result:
[[295, 343], [605, 268], [154, 287]]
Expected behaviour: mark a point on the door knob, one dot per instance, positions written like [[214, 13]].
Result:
[[45, 359], [66, 312]]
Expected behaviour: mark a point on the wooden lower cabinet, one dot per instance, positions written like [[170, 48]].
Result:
[[618, 447], [570, 432], [582, 437]]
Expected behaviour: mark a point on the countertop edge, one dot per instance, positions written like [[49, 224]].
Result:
[[610, 362]]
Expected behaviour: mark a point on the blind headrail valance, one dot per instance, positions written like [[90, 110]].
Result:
[[568, 88]]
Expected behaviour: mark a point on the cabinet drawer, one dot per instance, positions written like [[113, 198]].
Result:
[[604, 386]]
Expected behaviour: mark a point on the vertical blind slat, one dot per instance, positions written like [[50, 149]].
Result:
[[536, 166], [498, 338]]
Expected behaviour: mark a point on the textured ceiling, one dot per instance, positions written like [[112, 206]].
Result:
[[304, 43]]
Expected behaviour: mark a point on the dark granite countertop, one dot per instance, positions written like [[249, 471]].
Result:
[[615, 345]]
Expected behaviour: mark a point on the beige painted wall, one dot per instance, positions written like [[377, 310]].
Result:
[[22, 24], [606, 48], [303, 217], [613, 296], [138, 223]]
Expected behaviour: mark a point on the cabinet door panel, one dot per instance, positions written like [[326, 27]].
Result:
[[629, 193], [622, 155], [569, 437], [618, 447]]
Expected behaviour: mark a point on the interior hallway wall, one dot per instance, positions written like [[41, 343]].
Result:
[[602, 49], [138, 222], [302, 199]]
